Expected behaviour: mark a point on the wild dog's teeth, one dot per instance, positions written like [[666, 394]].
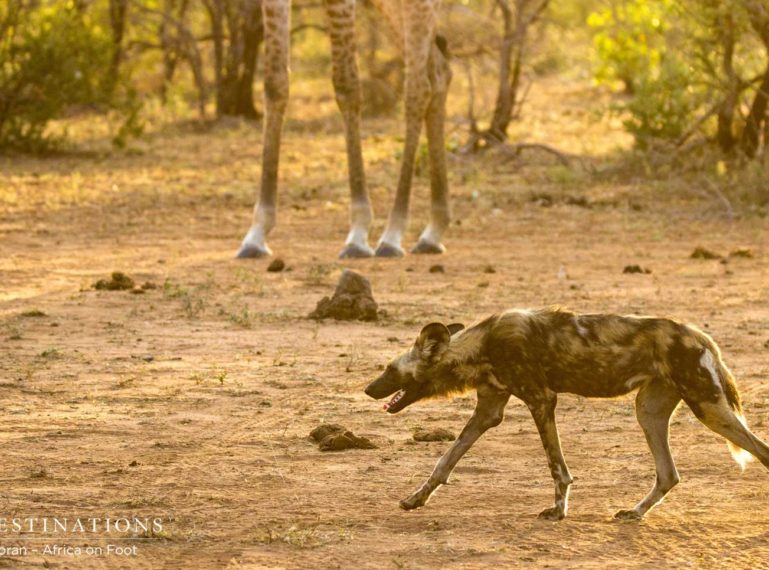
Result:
[[395, 399]]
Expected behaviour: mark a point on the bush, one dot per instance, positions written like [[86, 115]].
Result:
[[52, 58], [687, 65]]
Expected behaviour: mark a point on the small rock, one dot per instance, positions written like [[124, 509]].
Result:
[[579, 201], [436, 434], [34, 313], [489, 269], [437, 268], [542, 199], [147, 285], [276, 266], [743, 252], [703, 253], [636, 269]]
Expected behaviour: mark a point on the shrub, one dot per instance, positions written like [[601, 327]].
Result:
[[52, 58]]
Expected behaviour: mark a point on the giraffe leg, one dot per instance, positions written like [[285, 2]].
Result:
[[276, 16], [418, 36], [341, 18], [440, 77]]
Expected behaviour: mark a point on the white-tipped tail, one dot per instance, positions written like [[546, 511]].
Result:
[[741, 456]]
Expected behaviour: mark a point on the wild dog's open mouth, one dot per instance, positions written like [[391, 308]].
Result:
[[395, 399], [404, 397]]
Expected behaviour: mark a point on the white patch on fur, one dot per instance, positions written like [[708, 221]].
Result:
[[581, 331], [406, 364], [741, 456], [635, 381], [491, 379], [707, 362]]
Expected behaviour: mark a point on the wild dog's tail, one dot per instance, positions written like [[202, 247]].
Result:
[[741, 456], [714, 363]]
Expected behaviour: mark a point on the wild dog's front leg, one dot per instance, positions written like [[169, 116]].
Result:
[[489, 412], [543, 411]]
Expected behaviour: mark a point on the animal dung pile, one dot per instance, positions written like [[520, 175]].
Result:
[[743, 252], [704, 253], [636, 269], [352, 300], [436, 434], [119, 281], [333, 437]]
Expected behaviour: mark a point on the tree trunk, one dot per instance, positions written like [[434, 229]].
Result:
[[235, 64], [753, 125], [725, 134], [757, 118], [511, 58], [118, 10]]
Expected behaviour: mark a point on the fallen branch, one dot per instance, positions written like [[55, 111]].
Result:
[[516, 149]]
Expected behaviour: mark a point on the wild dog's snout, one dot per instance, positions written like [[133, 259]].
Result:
[[388, 383]]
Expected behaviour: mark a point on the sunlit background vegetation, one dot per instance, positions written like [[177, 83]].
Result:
[[686, 80]]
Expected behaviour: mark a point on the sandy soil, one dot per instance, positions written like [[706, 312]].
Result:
[[193, 401]]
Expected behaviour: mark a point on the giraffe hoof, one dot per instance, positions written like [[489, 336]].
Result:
[[385, 249], [552, 514], [630, 515], [356, 251], [248, 251], [428, 247]]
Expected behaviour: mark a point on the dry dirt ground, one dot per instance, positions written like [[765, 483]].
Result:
[[193, 401]]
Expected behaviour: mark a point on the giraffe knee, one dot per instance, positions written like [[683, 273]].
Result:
[[276, 90], [347, 91]]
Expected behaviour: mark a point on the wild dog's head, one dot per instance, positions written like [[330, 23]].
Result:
[[410, 375]]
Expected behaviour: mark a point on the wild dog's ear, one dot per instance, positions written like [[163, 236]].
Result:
[[455, 328], [433, 340]]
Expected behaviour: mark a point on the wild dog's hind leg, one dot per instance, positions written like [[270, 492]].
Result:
[[654, 405], [543, 411], [489, 412]]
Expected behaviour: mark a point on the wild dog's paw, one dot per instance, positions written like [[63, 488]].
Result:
[[629, 515], [552, 514], [414, 501]]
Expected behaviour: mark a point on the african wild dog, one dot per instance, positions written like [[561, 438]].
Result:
[[534, 355]]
